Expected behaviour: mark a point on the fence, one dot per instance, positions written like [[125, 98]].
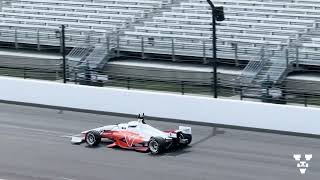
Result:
[[148, 48]]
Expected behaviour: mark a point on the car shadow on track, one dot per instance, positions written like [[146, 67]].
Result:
[[188, 149]]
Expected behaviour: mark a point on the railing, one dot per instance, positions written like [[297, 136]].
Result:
[[47, 36], [97, 56], [252, 69]]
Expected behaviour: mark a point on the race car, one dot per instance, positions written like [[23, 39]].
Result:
[[136, 135]]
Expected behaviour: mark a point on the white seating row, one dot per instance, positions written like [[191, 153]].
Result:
[[97, 17], [248, 24]]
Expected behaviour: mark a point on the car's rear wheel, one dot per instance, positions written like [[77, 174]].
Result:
[[156, 145], [182, 136], [93, 138]]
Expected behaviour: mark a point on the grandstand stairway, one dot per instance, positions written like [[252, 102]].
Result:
[[266, 73], [98, 57], [77, 55]]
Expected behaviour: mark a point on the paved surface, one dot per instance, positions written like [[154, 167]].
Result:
[[33, 147]]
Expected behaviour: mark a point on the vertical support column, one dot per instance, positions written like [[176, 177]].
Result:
[[60, 39], [118, 44], [24, 73], [182, 87], [142, 48], [236, 59], [305, 100], [204, 52], [38, 40], [297, 56], [128, 83], [16, 43], [173, 50], [108, 43], [287, 56], [89, 38]]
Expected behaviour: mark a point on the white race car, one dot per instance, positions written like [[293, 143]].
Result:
[[136, 135]]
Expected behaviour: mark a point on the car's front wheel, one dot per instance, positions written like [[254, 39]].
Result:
[[93, 138], [156, 145]]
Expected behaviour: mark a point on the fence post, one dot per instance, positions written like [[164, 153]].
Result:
[[287, 56], [142, 48], [38, 40], [118, 44], [182, 87], [128, 83], [24, 73], [75, 77], [241, 93], [235, 46], [204, 52], [297, 56], [305, 100], [108, 43], [173, 50], [16, 43]]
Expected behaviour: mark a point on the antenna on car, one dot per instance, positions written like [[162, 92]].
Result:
[[141, 118]]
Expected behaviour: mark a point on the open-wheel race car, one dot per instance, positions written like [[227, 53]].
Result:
[[136, 135]]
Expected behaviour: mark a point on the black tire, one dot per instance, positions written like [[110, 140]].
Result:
[[157, 145], [189, 137], [181, 135], [93, 138]]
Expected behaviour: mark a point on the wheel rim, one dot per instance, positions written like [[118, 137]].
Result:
[[181, 136], [91, 139], [154, 146]]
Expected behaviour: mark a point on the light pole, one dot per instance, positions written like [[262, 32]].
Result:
[[64, 53], [217, 15], [61, 35]]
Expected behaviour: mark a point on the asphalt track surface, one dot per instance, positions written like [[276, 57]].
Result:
[[33, 146]]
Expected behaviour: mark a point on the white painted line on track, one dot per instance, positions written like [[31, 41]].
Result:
[[31, 129], [64, 178], [70, 136]]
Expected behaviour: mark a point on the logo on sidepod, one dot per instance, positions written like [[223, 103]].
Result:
[[302, 162]]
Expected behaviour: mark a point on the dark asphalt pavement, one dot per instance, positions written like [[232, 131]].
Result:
[[33, 146]]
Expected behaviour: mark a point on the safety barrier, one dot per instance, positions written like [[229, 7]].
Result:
[[199, 110]]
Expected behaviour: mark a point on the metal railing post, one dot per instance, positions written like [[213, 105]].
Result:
[[305, 100], [142, 48], [182, 87], [16, 43], [297, 56], [287, 56], [38, 40], [128, 83], [235, 45], [24, 73], [118, 44], [108, 44], [204, 52], [173, 50]]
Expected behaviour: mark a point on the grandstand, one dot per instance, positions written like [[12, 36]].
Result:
[[270, 37]]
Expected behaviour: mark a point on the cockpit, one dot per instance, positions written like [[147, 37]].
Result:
[[133, 124]]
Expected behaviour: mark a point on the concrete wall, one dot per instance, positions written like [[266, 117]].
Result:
[[162, 105]]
